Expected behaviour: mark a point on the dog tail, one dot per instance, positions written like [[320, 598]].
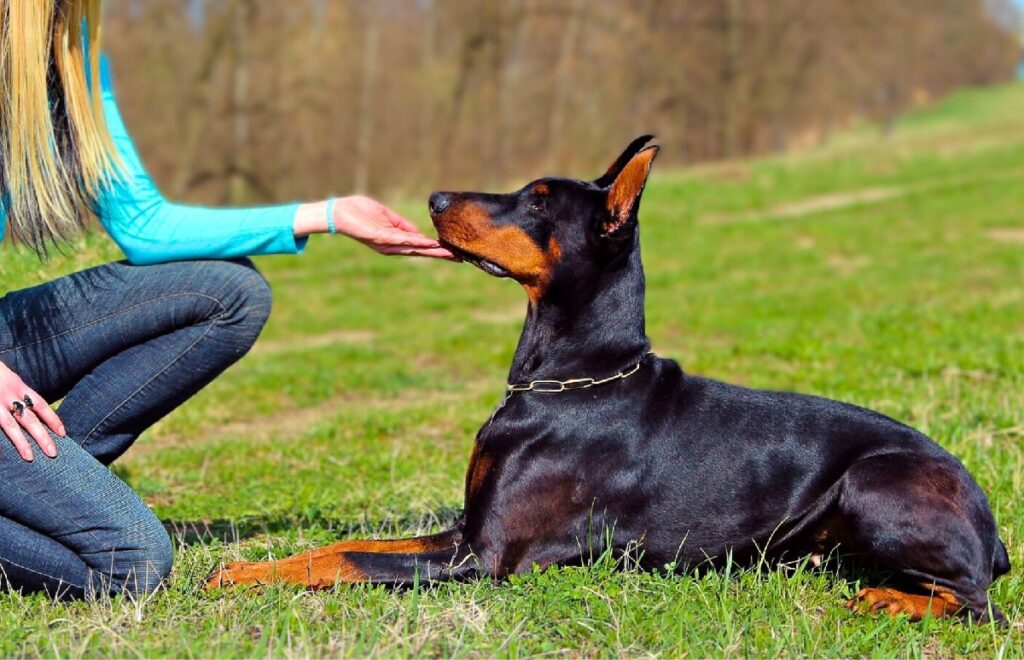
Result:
[[1001, 561]]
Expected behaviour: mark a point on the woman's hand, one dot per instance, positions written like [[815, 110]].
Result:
[[22, 409], [378, 227], [372, 224]]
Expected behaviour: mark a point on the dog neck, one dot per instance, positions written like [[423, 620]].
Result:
[[591, 329]]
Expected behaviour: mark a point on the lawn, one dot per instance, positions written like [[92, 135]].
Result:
[[885, 272]]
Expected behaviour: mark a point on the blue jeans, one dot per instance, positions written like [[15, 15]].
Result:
[[123, 345]]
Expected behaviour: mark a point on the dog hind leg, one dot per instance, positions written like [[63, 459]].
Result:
[[925, 519]]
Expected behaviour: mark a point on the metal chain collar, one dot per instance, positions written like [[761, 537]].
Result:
[[556, 386]]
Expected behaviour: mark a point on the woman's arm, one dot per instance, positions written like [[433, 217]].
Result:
[[150, 229]]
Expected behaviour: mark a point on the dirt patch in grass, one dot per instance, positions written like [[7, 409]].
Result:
[[835, 201], [275, 346], [499, 316], [830, 202], [1008, 235], [861, 197], [847, 265], [264, 427]]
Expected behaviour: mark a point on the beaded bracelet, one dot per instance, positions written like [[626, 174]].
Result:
[[330, 216]]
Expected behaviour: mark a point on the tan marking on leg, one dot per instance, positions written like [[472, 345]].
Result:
[[320, 568], [480, 465], [939, 604]]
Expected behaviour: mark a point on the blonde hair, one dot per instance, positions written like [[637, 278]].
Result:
[[56, 153]]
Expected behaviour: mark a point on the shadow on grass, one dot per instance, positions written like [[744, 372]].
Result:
[[200, 532]]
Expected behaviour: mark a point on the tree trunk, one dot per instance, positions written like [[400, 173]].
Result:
[[237, 193], [511, 73], [364, 143], [563, 85], [730, 77], [196, 110]]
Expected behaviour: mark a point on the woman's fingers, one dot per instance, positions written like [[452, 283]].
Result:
[[14, 434], [436, 253], [23, 408], [401, 222], [30, 422], [393, 238], [390, 215], [46, 414]]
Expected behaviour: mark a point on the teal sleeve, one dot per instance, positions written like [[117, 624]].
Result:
[[149, 229]]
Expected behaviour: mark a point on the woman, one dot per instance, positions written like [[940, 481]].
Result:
[[125, 343]]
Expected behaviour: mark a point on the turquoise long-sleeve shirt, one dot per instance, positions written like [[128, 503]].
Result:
[[149, 229]]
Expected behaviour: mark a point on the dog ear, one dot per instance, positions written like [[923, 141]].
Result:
[[624, 194], [634, 147]]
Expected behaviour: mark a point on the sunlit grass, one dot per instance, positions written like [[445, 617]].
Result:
[[355, 414]]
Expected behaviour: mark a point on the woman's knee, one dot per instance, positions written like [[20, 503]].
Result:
[[245, 295], [239, 295], [153, 569], [139, 562], [144, 570], [151, 565], [253, 290]]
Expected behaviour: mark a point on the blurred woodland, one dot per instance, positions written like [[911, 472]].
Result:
[[249, 101]]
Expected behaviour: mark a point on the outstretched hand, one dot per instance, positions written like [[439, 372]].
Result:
[[378, 227]]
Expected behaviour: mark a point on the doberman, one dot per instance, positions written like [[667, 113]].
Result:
[[600, 445]]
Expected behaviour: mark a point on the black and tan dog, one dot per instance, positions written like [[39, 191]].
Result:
[[601, 445]]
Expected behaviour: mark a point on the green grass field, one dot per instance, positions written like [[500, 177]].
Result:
[[887, 273]]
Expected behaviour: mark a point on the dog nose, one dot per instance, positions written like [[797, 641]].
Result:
[[439, 203]]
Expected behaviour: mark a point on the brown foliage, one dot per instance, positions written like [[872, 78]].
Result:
[[244, 101]]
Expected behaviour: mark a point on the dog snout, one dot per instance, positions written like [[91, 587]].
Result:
[[439, 203]]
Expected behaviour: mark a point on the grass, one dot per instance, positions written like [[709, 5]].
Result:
[[885, 272]]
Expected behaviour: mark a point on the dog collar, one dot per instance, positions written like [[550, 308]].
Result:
[[555, 386]]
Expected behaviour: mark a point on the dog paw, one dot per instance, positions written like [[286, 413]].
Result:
[[220, 579], [896, 603], [235, 574]]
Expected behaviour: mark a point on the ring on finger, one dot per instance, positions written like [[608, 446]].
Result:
[[17, 408], [29, 403]]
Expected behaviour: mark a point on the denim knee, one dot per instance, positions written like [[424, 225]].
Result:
[[150, 565], [246, 297], [140, 562]]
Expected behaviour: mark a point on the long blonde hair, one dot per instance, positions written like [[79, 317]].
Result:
[[55, 150]]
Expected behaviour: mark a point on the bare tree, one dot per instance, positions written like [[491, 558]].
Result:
[[254, 100], [367, 106]]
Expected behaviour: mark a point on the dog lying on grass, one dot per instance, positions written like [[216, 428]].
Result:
[[600, 444]]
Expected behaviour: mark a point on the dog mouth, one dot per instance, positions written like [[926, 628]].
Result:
[[485, 265]]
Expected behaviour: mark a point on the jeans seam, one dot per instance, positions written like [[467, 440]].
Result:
[[85, 439], [84, 529], [75, 517], [52, 577], [130, 308]]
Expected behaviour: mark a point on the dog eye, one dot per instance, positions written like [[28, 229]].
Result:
[[537, 205]]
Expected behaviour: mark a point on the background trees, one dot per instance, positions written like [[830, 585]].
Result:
[[245, 101]]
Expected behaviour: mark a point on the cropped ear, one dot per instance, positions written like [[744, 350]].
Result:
[[624, 194], [633, 149]]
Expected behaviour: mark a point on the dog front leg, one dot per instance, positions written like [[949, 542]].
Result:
[[382, 561]]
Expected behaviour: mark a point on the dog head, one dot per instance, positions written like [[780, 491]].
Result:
[[551, 229]]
